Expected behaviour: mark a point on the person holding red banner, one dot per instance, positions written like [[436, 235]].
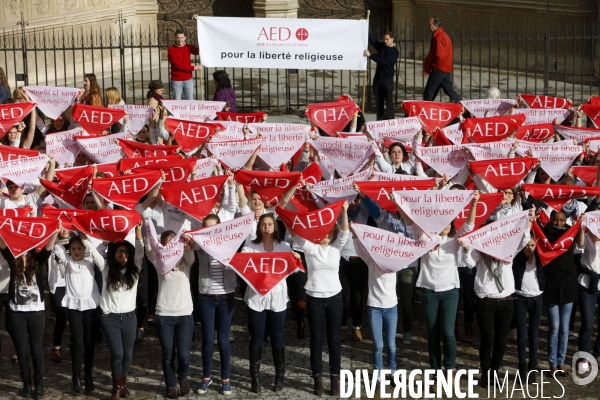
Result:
[[215, 304], [81, 299], [57, 289], [439, 283], [494, 287], [120, 273], [398, 154], [174, 322], [267, 312], [13, 136], [324, 303], [27, 316]]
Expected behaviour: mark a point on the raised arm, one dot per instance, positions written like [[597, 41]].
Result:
[[31, 131], [50, 173]]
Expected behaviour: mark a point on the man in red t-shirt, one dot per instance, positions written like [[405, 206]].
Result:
[[438, 63], [181, 67]]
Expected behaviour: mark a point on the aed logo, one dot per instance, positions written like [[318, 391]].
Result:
[[281, 34]]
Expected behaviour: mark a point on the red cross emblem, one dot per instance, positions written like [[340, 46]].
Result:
[[301, 34]]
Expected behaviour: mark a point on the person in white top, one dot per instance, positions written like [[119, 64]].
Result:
[[27, 317], [120, 274], [268, 310], [398, 154], [56, 286], [439, 283], [529, 300], [324, 303], [216, 304], [494, 287], [81, 299], [16, 198], [382, 309], [174, 322]]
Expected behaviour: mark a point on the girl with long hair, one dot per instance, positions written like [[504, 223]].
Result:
[[223, 90], [92, 95]]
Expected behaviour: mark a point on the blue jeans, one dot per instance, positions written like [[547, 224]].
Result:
[[558, 332], [383, 320], [175, 332], [260, 320], [325, 315], [216, 312], [119, 330], [532, 307], [587, 304], [187, 87]]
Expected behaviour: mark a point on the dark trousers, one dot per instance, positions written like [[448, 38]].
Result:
[[587, 305], [295, 283], [175, 333], [383, 90], [28, 329], [325, 315], [440, 313], [524, 307], [119, 330], [5, 303], [269, 322], [152, 286], [216, 313], [467, 291], [141, 299], [84, 325], [60, 313], [405, 290], [353, 277], [439, 80], [493, 317]]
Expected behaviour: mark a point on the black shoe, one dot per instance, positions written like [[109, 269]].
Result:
[[532, 379], [26, 391], [318, 385], [279, 361], [172, 393], [523, 373], [38, 391], [139, 334], [335, 385], [77, 383], [89, 382], [255, 357], [484, 379]]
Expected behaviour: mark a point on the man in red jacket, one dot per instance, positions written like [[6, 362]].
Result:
[[438, 63], [181, 67]]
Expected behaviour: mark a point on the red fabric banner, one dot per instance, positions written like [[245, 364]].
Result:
[[432, 114], [20, 212], [312, 225], [485, 206], [126, 164], [12, 114], [132, 149], [535, 101], [303, 201], [96, 120], [72, 191], [191, 134], [196, 198], [331, 117], [245, 118], [64, 214], [263, 271], [535, 133], [549, 251], [312, 174], [9, 153], [379, 191], [505, 173], [24, 234], [110, 225], [126, 190], [65, 175], [269, 185], [578, 134], [557, 195], [175, 171], [491, 129], [586, 173]]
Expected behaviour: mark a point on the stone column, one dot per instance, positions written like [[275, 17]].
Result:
[[275, 8], [404, 18]]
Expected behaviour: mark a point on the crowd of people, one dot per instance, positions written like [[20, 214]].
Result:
[[113, 288]]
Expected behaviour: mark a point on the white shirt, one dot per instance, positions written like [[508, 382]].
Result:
[[590, 259], [81, 292], [229, 205], [155, 214], [32, 200], [323, 265], [530, 286], [276, 300], [382, 286], [247, 210], [174, 219], [439, 267], [174, 296]]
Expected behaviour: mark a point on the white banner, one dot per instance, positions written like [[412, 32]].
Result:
[[138, 115], [194, 110], [62, 146], [399, 129], [52, 100], [482, 108], [340, 189], [283, 43], [542, 115]]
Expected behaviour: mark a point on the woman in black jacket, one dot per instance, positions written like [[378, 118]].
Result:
[[529, 287]]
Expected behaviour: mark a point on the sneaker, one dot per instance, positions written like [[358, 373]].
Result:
[[226, 387], [583, 367], [572, 336], [203, 388], [356, 335], [407, 338]]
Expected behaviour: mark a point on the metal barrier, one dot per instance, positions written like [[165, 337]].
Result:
[[559, 62]]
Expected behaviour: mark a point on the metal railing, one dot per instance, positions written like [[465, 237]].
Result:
[[533, 60]]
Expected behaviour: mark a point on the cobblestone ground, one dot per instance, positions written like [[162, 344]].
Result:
[[146, 378]]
